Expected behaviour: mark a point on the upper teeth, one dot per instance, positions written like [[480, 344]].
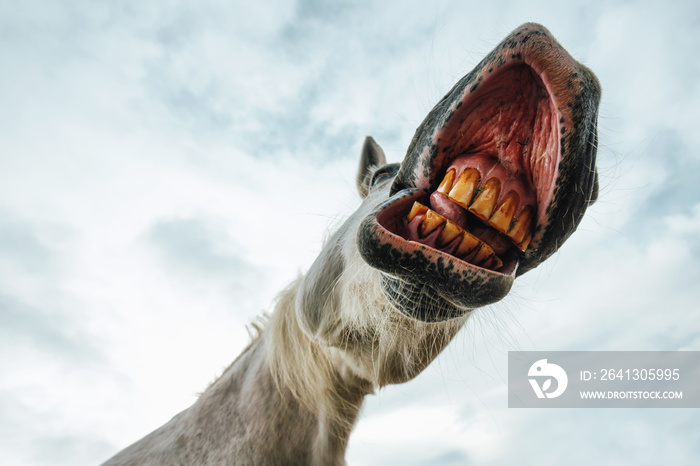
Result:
[[481, 200], [482, 206], [462, 191]]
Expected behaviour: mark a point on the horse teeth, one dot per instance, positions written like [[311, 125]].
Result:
[[417, 209], [446, 183], [503, 216], [484, 253], [431, 220], [449, 233], [485, 201], [493, 262], [463, 190], [469, 245], [521, 228], [525, 242], [469, 242]]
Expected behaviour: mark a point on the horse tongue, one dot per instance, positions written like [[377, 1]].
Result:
[[499, 242], [443, 205]]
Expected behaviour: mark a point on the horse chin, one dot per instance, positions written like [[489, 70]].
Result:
[[423, 282]]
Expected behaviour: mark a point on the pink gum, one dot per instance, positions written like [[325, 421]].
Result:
[[488, 169], [431, 238]]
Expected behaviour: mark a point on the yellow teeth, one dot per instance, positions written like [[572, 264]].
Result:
[[446, 184], [525, 243], [450, 232], [485, 257], [463, 190], [417, 209], [493, 262], [503, 216], [469, 242], [497, 262], [484, 203], [431, 220], [520, 232], [484, 253]]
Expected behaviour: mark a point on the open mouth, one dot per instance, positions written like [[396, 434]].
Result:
[[493, 177], [496, 178]]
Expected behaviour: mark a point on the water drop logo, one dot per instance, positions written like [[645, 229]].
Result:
[[543, 370]]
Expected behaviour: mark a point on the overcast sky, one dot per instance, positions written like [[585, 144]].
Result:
[[166, 168]]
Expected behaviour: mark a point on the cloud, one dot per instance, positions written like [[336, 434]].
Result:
[[167, 168], [20, 247], [35, 316], [21, 445], [193, 244], [42, 329]]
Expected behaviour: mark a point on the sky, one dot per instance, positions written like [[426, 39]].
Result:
[[167, 167]]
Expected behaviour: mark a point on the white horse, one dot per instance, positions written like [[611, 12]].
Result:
[[496, 178]]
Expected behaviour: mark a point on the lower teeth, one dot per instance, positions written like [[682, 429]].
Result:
[[451, 238]]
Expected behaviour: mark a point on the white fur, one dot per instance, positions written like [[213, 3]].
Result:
[[293, 395]]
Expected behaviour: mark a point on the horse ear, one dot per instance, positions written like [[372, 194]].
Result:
[[372, 156]]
